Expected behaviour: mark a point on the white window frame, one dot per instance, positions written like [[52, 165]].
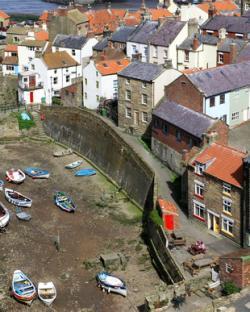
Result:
[[235, 115], [224, 97], [227, 205], [144, 85], [199, 188], [186, 55], [73, 51], [127, 81], [143, 98], [134, 48], [142, 117], [67, 78], [198, 207], [154, 51], [239, 36], [145, 51], [128, 112], [228, 268], [220, 58], [199, 168], [227, 188], [228, 222], [128, 98], [55, 80]]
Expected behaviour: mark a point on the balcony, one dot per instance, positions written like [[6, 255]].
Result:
[[28, 87]]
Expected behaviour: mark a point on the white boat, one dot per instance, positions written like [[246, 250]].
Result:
[[17, 198], [111, 283], [74, 164], [22, 288], [15, 175], [63, 152], [4, 216], [47, 292]]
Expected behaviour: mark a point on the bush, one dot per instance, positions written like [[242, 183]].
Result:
[[25, 124], [230, 288], [155, 217], [56, 100]]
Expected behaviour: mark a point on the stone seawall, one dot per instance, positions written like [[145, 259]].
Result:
[[89, 135]]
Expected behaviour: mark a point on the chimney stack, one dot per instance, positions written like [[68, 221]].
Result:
[[233, 52], [196, 43], [211, 10], [222, 33]]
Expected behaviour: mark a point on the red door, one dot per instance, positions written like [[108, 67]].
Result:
[[31, 97], [169, 222]]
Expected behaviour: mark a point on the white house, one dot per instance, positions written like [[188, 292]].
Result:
[[100, 81], [28, 50], [30, 88], [57, 70], [79, 47]]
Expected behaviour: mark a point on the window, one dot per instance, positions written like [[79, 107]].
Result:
[[97, 84], [16, 39], [235, 116], [10, 67], [55, 80], [229, 268], [128, 95], [144, 117], [25, 79], [222, 99], [220, 58], [144, 85], [30, 59], [226, 188], [165, 129], [224, 118], [146, 51], [31, 48], [240, 36], [115, 83], [86, 81], [67, 78], [209, 32], [212, 102], [165, 54], [199, 168], [128, 112], [96, 73], [157, 123], [73, 52], [227, 225], [85, 95], [97, 98], [154, 51], [144, 99], [127, 81], [178, 135], [55, 71], [186, 56], [199, 188], [190, 142], [227, 205], [199, 210], [134, 48], [32, 66]]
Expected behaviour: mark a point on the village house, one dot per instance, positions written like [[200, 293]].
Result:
[[141, 87], [215, 190], [10, 60], [100, 81], [79, 47], [221, 92], [119, 38], [228, 50], [177, 130], [71, 96], [163, 43], [16, 34], [28, 50], [57, 70], [30, 89], [4, 22]]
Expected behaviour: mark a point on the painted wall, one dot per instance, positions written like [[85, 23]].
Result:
[[239, 102], [218, 110], [140, 49]]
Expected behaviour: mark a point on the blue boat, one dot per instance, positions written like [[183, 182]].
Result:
[[111, 283], [63, 201], [36, 173], [85, 172]]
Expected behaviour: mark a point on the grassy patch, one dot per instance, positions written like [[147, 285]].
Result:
[[25, 124], [124, 220], [155, 217]]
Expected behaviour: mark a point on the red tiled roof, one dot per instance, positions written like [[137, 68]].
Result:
[[10, 48], [191, 70], [44, 17], [4, 15], [111, 67], [135, 18], [10, 60], [42, 35], [226, 163], [225, 5], [158, 13]]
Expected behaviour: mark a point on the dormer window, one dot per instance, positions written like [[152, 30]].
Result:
[[199, 168]]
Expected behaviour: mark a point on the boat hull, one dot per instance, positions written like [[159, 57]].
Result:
[[111, 283], [63, 153], [22, 288], [37, 173], [20, 200], [46, 290], [15, 176], [74, 165], [85, 172], [4, 216], [64, 202]]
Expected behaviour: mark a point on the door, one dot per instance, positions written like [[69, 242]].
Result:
[[32, 81], [31, 97], [169, 222], [216, 224], [136, 118], [210, 223]]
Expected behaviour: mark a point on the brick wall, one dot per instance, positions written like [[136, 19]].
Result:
[[236, 276], [183, 92]]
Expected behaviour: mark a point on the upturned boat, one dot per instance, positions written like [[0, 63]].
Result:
[[15, 175], [22, 288], [4, 215], [37, 173], [74, 164], [65, 202], [47, 292], [63, 152], [85, 172], [111, 283], [17, 198]]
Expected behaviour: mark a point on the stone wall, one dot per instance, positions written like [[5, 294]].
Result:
[[89, 135], [8, 93]]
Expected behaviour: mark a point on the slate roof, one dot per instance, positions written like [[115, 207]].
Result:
[[143, 32], [244, 54], [184, 118], [224, 46], [221, 79], [69, 41], [122, 34], [235, 24], [166, 33], [205, 39], [142, 71], [59, 60], [101, 45]]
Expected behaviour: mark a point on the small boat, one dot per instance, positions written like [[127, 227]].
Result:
[[17, 198], [47, 292], [22, 288], [15, 175], [37, 173], [74, 164], [22, 215], [85, 172], [4, 215], [63, 201], [111, 283], [63, 152], [1, 185]]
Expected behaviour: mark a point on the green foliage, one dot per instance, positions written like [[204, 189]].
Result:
[[155, 217], [230, 288], [25, 124], [56, 100], [20, 17]]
